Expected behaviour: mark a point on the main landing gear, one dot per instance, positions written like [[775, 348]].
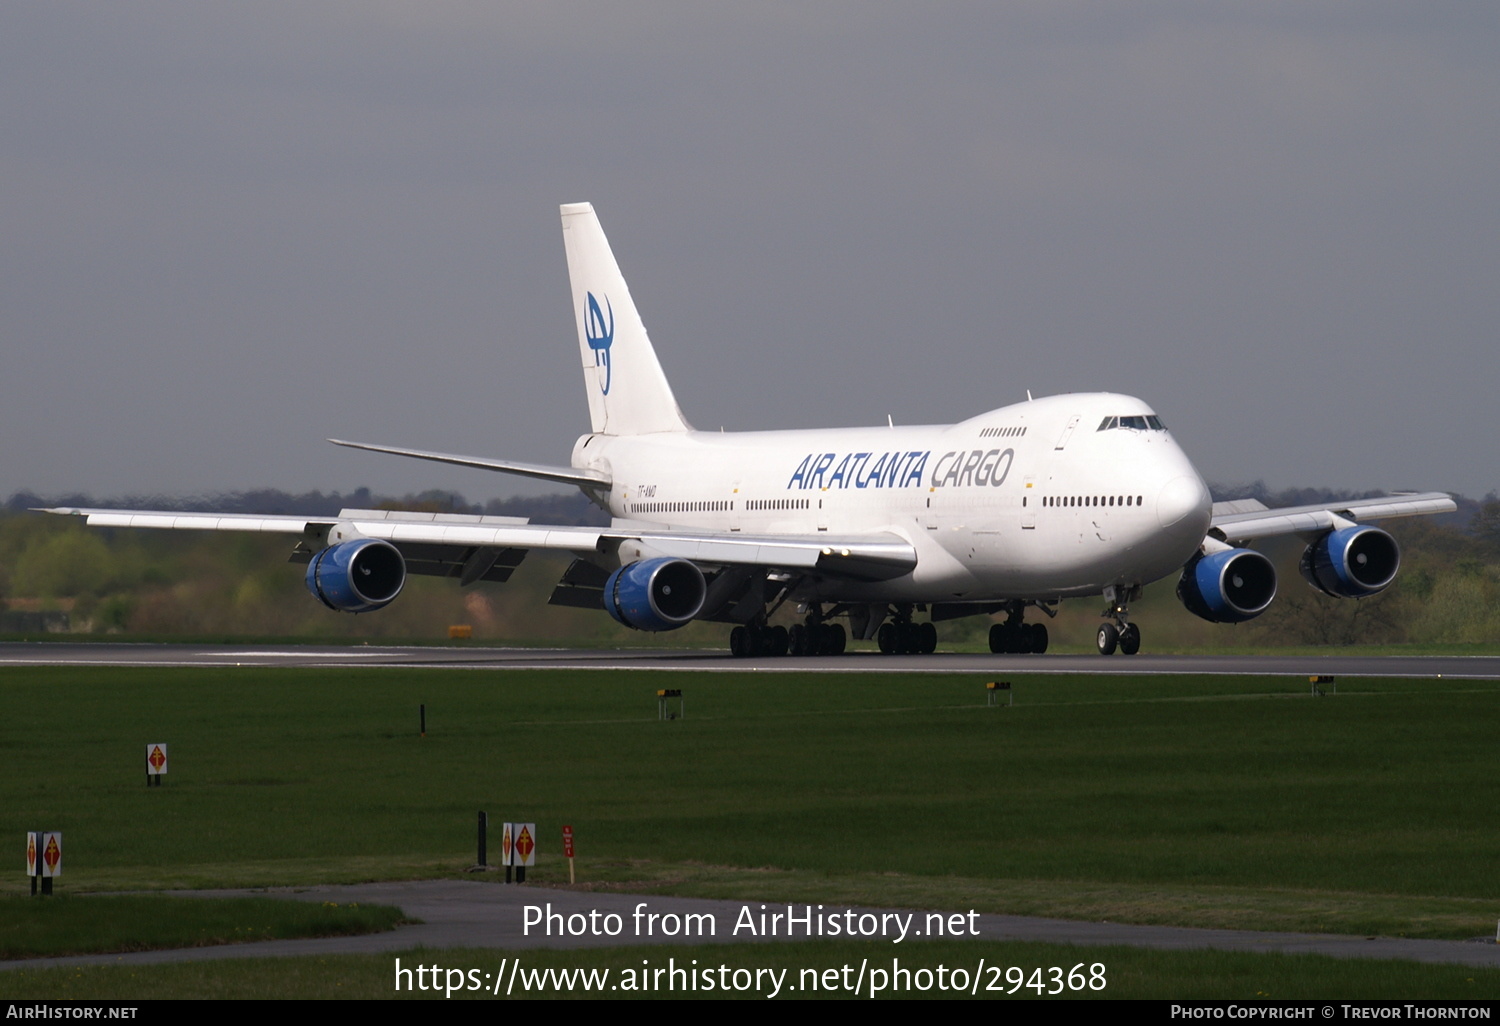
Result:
[[1017, 637], [900, 636], [813, 638], [818, 639], [1122, 634], [758, 639]]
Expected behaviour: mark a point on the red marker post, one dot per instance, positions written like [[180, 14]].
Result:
[[34, 859], [568, 850], [507, 848]]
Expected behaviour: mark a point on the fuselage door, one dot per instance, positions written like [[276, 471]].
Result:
[[1062, 442]]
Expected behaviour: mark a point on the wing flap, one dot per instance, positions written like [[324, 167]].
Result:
[[160, 520], [864, 557], [468, 564]]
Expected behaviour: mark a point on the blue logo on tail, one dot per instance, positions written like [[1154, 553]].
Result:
[[601, 334]]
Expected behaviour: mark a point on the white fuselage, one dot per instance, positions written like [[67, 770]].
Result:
[[1031, 501]]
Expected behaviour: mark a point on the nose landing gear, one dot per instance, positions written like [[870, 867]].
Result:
[[1122, 634]]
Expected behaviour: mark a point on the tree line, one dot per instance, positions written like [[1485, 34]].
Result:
[[207, 584]]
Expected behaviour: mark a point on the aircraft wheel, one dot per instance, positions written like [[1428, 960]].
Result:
[[777, 641], [1015, 638], [738, 643], [1039, 638], [997, 638], [1107, 639], [1026, 637], [834, 639], [796, 640], [886, 638], [1130, 639], [927, 635], [904, 639]]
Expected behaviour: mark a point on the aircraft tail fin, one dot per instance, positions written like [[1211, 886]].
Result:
[[628, 393]]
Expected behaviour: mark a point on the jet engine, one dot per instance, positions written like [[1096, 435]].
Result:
[[356, 576], [1228, 587], [1352, 562], [655, 594]]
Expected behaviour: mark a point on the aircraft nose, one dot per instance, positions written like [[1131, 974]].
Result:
[[1180, 498]]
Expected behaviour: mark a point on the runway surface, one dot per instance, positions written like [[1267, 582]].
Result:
[[678, 660], [460, 913]]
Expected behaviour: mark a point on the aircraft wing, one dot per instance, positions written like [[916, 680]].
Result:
[[1244, 519], [449, 540], [562, 475]]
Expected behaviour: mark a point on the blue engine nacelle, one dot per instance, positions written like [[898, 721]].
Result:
[[356, 576], [655, 594], [1352, 562], [1228, 587]]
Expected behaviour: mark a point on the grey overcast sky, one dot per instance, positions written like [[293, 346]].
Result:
[[232, 230]]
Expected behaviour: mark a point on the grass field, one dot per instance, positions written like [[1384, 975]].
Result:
[[1207, 801], [1126, 973], [69, 925]]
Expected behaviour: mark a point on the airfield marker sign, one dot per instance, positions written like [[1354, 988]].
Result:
[[51, 858], [662, 695], [156, 764], [525, 849], [51, 854], [568, 850]]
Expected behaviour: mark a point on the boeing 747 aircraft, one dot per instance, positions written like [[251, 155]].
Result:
[[1066, 496]]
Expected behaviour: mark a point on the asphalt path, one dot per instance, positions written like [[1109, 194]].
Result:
[[668, 660], [471, 914]]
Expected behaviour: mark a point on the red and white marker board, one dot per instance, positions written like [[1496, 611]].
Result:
[[156, 760], [525, 846], [51, 854], [33, 850]]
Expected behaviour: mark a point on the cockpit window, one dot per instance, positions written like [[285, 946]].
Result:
[[1151, 423]]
